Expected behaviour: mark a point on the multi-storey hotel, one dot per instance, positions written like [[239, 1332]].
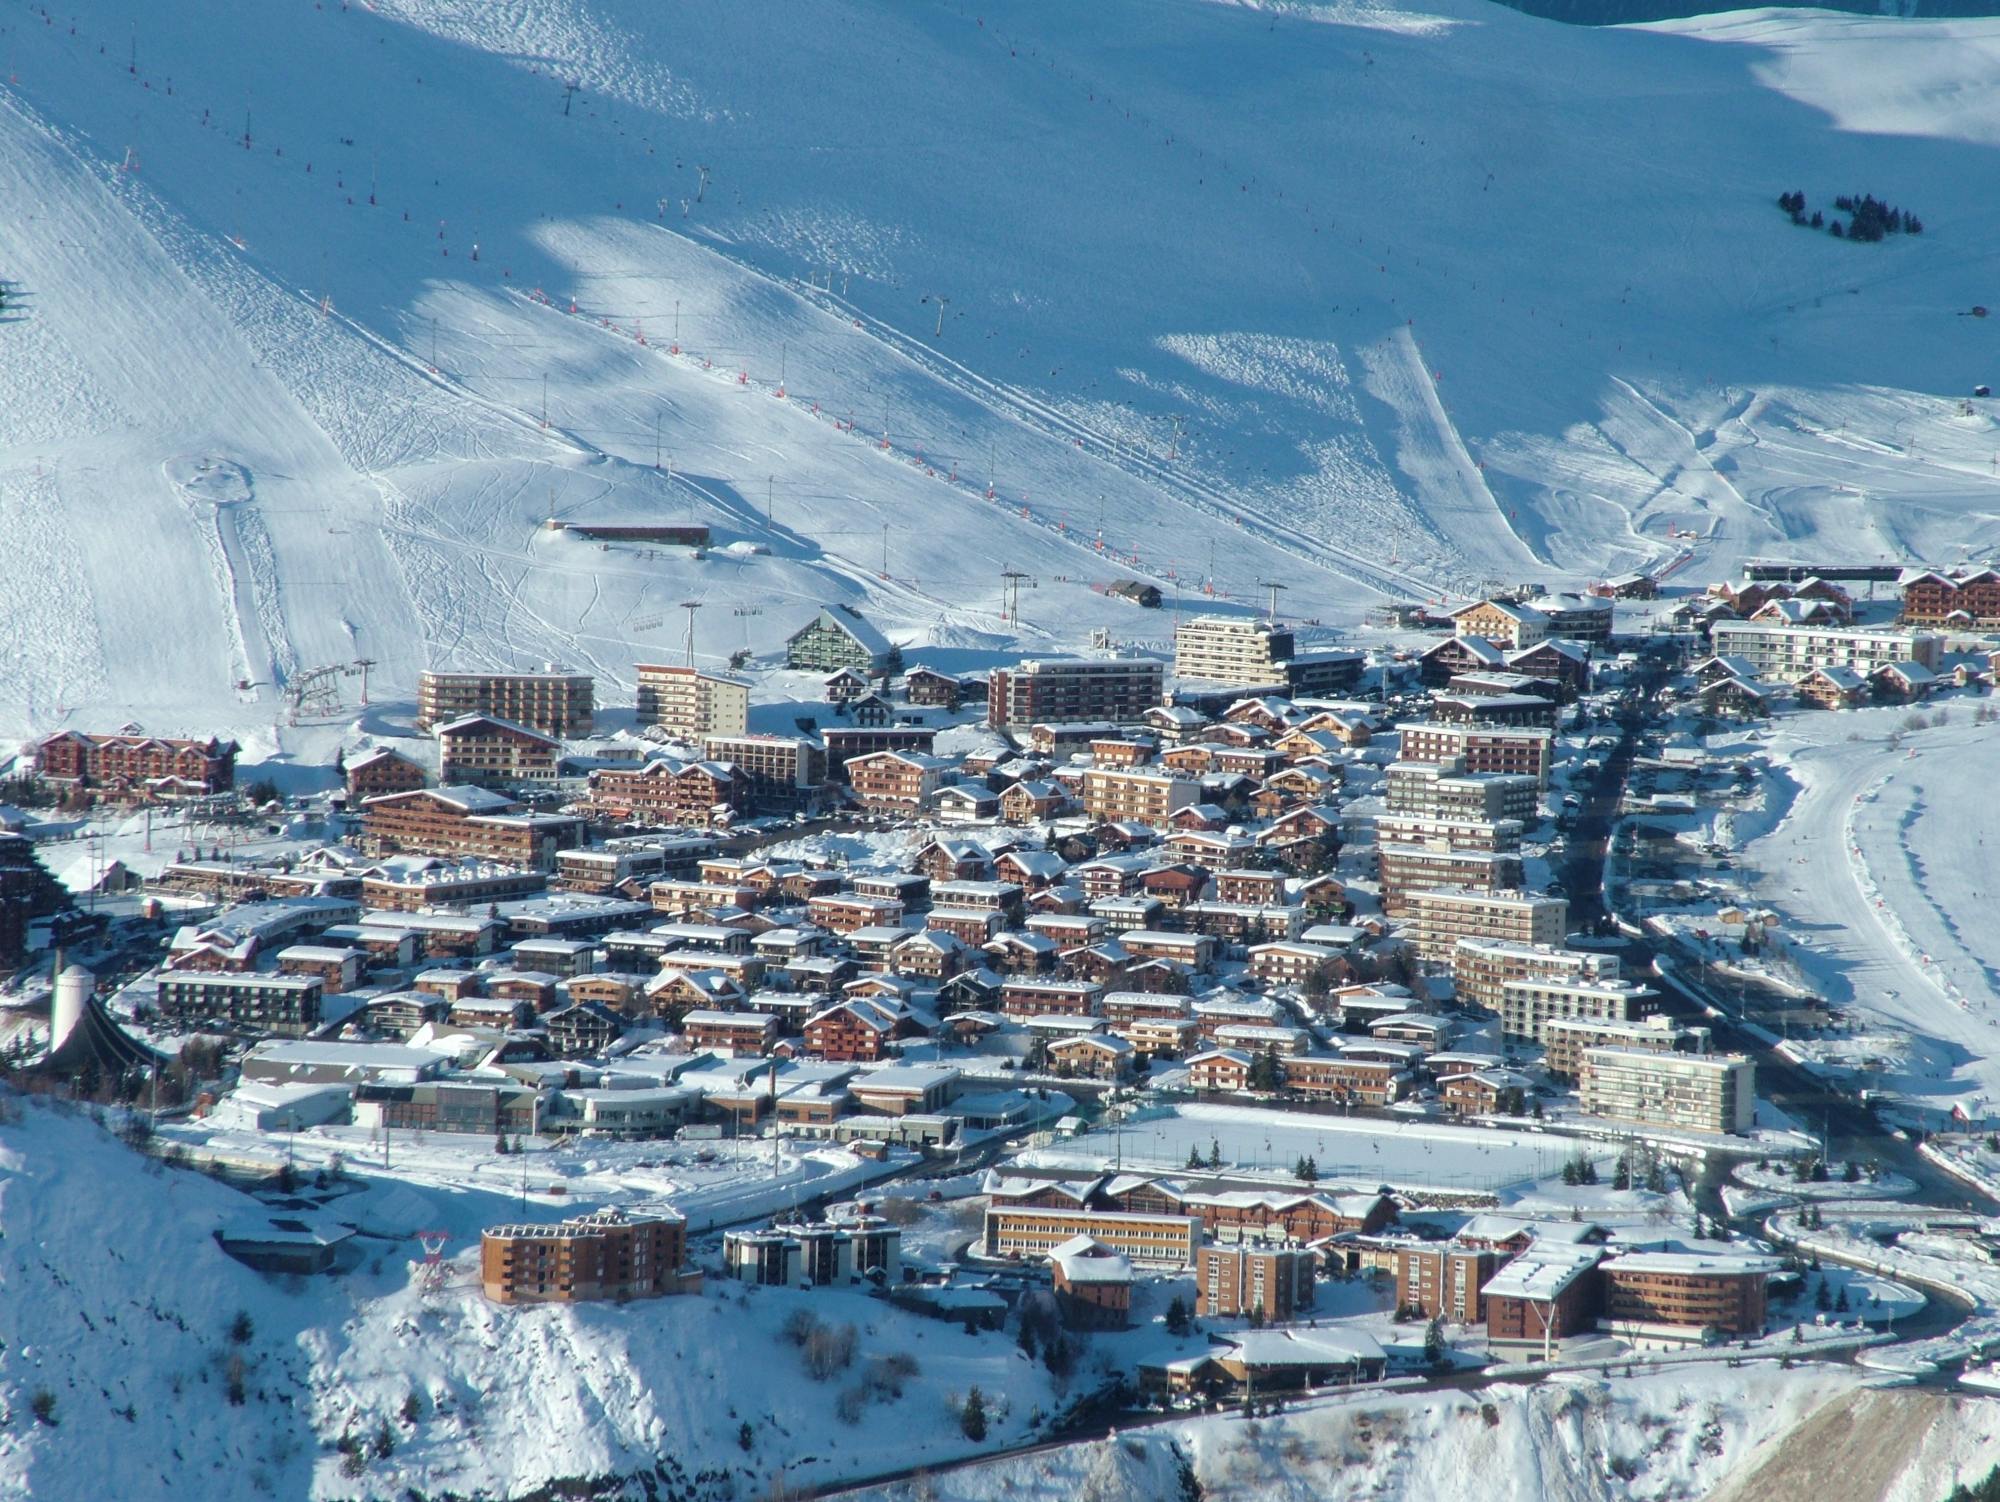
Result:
[[553, 702], [1786, 654], [1073, 690], [1701, 1092], [689, 703], [1229, 649]]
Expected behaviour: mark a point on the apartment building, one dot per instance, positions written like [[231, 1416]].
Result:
[[1365, 1082], [553, 702], [1440, 917], [1480, 967], [1968, 601], [1445, 790], [841, 637], [486, 751], [898, 781], [689, 703], [1432, 832], [1528, 1006], [699, 794], [1134, 794], [783, 773], [1699, 1092], [1231, 649], [1786, 653], [285, 1004], [1564, 1039], [1515, 751], [608, 1254], [1405, 870], [1073, 690], [1444, 1279], [1274, 1283]]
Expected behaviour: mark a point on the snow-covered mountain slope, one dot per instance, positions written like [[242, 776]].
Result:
[[1362, 298], [116, 1302], [1823, 1434]]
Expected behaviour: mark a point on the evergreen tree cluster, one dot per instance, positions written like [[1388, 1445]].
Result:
[[1869, 218]]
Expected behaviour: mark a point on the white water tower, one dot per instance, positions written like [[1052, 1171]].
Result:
[[74, 989]]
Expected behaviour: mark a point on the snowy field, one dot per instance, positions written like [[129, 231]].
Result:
[[1880, 868], [293, 376], [1349, 1152]]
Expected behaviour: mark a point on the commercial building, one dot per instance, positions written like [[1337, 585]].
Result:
[[1274, 1283], [1785, 653], [554, 702], [1073, 690], [1699, 1092], [610, 1254], [1231, 649], [686, 702], [1439, 918]]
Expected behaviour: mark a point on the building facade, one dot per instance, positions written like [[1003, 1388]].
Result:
[[610, 1254], [1073, 690], [554, 702], [686, 702]]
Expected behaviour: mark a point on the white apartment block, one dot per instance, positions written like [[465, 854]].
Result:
[[1445, 790], [1480, 967], [689, 703], [1527, 1006], [1440, 918], [1698, 1092], [1786, 654], [1226, 649], [1424, 832]]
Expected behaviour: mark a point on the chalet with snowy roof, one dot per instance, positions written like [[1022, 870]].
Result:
[[486, 751], [1505, 623], [1465, 653], [1832, 688], [965, 803], [1967, 600], [382, 771], [465, 820], [582, 1029], [1095, 1056], [927, 686], [1902, 682], [1741, 697], [860, 1029], [840, 637]]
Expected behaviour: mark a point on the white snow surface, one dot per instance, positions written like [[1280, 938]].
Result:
[[1433, 292]]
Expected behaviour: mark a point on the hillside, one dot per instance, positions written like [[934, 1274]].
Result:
[[1364, 299]]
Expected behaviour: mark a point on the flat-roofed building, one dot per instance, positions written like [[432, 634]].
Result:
[[1269, 1283], [1116, 796], [1231, 649], [786, 772], [1406, 870], [1786, 653], [1515, 751], [1480, 967], [1440, 917], [608, 1254], [1699, 1092], [1074, 690], [283, 1004], [1444, 790], [687, 702], [1527, 1006], [1444, 1279], [553, 702], [1564, 1039], [1032, 1232], [1679, 1297]]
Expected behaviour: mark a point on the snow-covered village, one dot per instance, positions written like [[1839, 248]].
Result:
[[940, 752]]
